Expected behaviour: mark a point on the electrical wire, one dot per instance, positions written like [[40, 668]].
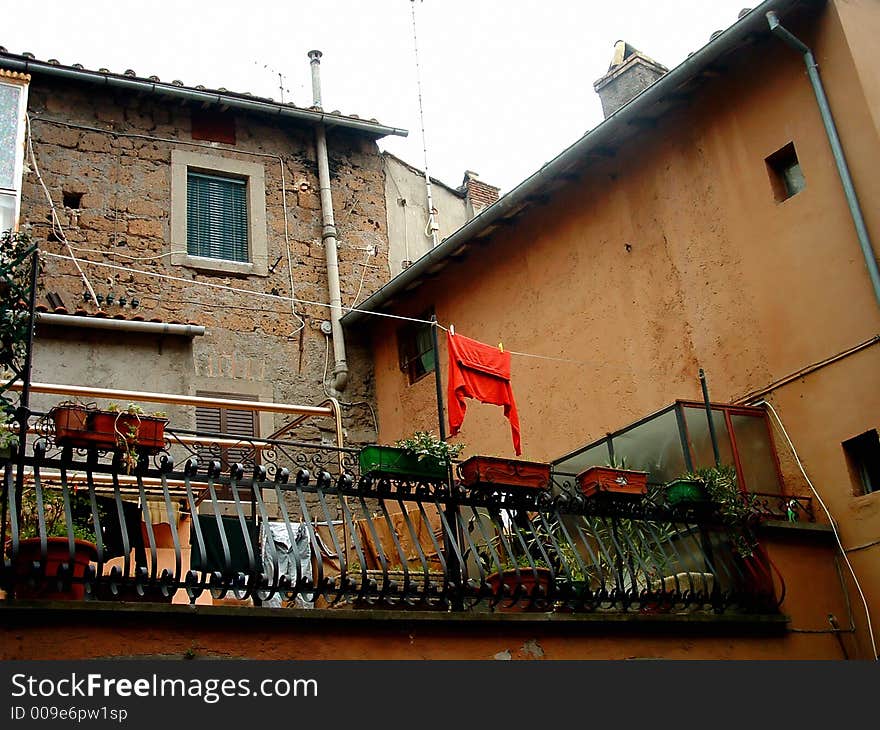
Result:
[[830, 520], [169, 140], [57, 228]]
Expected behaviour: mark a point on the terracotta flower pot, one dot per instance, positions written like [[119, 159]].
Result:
[[57, 553], [527, 582], [494, 471], [605, 480], [81, 427]]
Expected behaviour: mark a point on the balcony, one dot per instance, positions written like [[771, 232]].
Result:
[[295, 524]]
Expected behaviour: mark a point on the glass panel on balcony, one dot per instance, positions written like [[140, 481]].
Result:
[[596, 455], [700, 440], [755, 453], [653, 446]]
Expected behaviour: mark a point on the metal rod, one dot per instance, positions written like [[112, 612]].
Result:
[[181, 400], [836, 148], [709, 418]]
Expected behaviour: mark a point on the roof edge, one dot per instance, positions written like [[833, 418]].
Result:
[[236, 101], [753, 22]]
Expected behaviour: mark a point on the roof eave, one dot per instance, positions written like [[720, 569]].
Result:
[[755, 23], [256, 105]]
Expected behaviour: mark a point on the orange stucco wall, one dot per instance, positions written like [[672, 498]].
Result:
[[675, 255]]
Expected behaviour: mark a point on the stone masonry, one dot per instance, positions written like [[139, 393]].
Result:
[[108, 153]]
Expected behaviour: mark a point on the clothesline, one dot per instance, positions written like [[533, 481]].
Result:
[[286, 299]]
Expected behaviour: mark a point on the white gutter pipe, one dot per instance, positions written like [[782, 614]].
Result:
[[120, 325], [328, 236]]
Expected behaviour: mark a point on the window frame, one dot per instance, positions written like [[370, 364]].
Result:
[[407, 356], [21, 82], [184, 162]]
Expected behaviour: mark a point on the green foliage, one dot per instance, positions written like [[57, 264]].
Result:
[[15, 279], [424, 444], [53, 515], [738, 510]]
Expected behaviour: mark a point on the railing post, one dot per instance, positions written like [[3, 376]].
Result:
[[452, 565]]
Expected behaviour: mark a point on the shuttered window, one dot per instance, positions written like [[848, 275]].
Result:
[[228, 422], [216, 217]]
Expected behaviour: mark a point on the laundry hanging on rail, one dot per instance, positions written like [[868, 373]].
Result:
[[481, 372]]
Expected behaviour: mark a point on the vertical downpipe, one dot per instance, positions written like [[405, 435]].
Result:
[[328, 236]]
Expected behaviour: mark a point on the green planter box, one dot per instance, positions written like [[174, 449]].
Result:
[[396, 462], [683, 492]]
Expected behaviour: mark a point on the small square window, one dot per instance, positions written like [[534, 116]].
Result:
[[216, 217], [863, 458], [415, 344], [786, 176]]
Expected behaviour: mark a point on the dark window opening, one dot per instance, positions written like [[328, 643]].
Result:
[[72, 200], [415, 346], [786, 176], [216, 217], [213, 126], [863, 458]]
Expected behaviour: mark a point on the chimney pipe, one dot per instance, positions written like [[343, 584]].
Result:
[[315, 58]]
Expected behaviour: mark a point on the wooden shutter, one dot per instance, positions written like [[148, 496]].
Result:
[[216, 217], [229, 423]]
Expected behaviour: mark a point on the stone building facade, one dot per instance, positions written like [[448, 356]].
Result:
[[114, 164]]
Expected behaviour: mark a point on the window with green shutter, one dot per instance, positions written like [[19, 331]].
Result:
[[216, 217]]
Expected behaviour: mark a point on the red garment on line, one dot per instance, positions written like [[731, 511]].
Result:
[[480, 372]]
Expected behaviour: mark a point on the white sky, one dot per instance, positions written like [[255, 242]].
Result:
[[505, 85]]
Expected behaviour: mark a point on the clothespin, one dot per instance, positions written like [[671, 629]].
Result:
[[501, 347], [452, 330]]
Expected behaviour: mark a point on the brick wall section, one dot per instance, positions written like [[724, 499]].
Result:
[[115, 149], [479, 193]]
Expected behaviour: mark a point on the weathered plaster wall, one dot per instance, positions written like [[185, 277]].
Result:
[[408, 222], [115, 149], [675, 255]]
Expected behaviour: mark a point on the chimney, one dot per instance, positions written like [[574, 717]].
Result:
[[315, 61], [477, 194], [630, 73]]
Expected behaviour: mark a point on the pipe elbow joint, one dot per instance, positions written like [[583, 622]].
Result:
[[340, 379]]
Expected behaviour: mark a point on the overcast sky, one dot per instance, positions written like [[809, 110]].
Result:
[[505, 85]]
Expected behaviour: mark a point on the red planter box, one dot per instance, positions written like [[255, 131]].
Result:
[[504, 472], [607, 481], [82, 427]]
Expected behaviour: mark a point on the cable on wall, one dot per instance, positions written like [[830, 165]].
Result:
[[57, 228], [830, 520], [169, 140]]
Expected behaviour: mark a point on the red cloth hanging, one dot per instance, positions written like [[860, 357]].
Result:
[[480, 372]]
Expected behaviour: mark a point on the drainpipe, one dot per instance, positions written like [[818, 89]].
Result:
[[328, 236], [836, 149]]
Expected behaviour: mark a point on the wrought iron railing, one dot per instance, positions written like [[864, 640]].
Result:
[[312, 531]]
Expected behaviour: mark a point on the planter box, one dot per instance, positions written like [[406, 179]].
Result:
[[504, 472], [81, 427], [391, 461], [603, 480]]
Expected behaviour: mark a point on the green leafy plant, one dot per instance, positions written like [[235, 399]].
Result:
[[16, 260], [424, 444], [738, 510], [53, 515]]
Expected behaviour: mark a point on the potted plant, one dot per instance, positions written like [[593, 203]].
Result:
[[422, 456], [498, 472], [613, 481], [57, 546], [127, 430], [737, 510]]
